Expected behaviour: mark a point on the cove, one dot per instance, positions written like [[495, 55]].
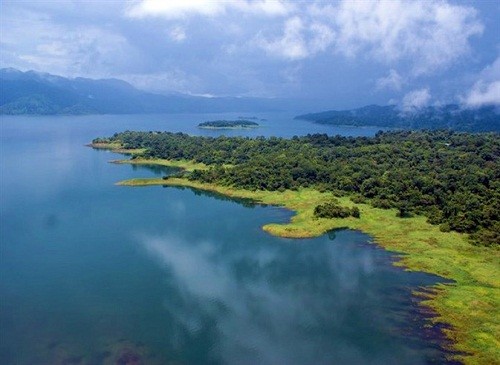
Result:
[[93, 273]]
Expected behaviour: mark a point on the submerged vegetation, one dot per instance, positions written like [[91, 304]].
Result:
[[451, 178]]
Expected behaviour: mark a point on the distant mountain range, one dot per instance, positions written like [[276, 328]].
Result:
[[41, 93], [45, 94], [484, 119]]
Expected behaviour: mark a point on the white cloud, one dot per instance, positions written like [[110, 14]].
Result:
[[31, 40], [298, 40], [184, 8], [321, 37], [265, 7], [393, 81], [73, 52], [174, 80], [416, 99], [486, 89], [431, 34], [174, 9], [484, 94], [177, 34], [291, 45]]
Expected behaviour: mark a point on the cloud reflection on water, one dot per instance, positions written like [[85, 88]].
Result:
[[285, 303]]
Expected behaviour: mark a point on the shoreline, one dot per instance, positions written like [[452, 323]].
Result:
[[467, 310]]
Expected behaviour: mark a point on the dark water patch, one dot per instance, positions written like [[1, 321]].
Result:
[[155, 170], [246, 202]]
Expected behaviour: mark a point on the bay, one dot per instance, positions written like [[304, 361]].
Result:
[[93, 273]]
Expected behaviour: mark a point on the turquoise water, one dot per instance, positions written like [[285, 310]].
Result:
[[93, 273]]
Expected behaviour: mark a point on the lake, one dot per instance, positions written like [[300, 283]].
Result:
[[93, 273]]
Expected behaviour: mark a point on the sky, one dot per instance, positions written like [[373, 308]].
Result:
[[349, 53]]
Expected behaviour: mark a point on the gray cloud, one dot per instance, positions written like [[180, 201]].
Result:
[[352, 52], [392, 81], [432, 34]]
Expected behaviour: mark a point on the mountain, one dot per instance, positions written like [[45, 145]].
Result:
[[41, 93], [484, 119]]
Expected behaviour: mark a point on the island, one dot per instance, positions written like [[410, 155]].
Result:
[[228, 124], [430, 196]]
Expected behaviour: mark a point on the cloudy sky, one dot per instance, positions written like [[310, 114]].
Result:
[[351, 53]]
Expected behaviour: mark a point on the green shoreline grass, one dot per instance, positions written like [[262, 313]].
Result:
[[470, 305], [117, 148]]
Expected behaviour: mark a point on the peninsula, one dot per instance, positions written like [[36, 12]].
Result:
[[431, 196], [228, 124]]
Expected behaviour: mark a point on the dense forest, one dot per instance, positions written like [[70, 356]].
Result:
[[452, 116], [452, 178]]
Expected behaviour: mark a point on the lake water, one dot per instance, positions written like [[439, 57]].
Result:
[[93, 273]]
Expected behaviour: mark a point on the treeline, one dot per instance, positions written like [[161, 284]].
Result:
[[452, 178]]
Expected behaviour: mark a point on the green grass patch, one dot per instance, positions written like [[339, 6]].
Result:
[[117, 148], [105, 146], [181, 164]]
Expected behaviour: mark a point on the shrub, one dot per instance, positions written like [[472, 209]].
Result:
[[334, 210]]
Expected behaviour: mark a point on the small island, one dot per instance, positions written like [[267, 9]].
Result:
[[228, 124]]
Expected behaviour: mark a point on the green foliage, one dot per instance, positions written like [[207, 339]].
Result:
[[487, 236], [355, 212], [445, 227], [452, 178], [332, 209], [358, 199], [101, 140], [228, 124]]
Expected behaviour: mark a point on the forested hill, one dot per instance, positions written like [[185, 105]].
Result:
[[41, 93], [484, 119], [452, 178]]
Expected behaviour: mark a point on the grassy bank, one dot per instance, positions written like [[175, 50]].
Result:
[[470, 305], [117, 148], [181, 164]]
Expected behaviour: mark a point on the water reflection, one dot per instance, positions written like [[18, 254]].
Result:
[[156, 170], [335, 302], [246, 202]]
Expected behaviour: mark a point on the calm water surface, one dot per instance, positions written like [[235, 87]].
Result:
[[93, 273]]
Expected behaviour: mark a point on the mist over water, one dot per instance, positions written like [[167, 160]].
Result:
[[93, 273]]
